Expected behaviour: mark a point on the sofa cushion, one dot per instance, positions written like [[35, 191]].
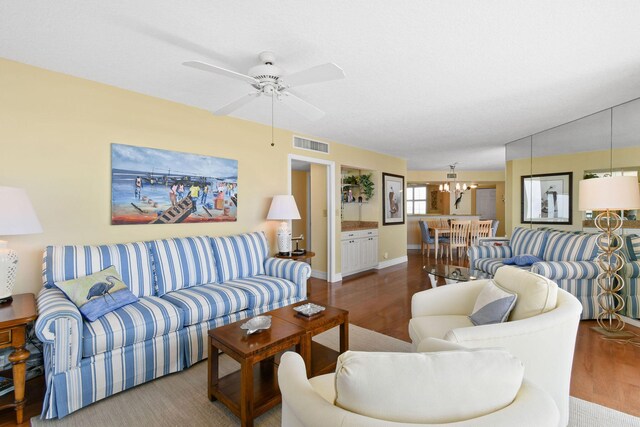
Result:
[[132, 260], [264, 290], [493, 305], [181, 263], [97, 294], [148, 318], [408, 387], [527, 241], [631, 249], [200, 303], [570, 247], [489, 265], [536, 294], [240, 256]]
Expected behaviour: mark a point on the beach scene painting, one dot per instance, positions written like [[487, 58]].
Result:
[[152, 186]]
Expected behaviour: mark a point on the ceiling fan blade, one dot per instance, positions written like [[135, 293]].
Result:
[[317, 74], [301, 106], [236, 104], [220, 71]]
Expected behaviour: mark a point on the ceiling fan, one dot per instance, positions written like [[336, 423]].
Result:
[[269, 80]]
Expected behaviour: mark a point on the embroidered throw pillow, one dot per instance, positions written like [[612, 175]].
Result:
[[493, 305], [97, 294], [521, 260]]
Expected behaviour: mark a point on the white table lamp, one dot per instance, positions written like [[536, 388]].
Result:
[[609, 194], [283, 208], [16, 217]]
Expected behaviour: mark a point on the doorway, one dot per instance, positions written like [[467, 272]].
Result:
[[486, 203], [312, 183]]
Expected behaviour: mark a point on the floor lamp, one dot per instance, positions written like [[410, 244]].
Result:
[[609, 195]]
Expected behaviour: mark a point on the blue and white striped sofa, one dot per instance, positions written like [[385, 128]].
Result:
[[568, 258], [631, 274], [185, 286]]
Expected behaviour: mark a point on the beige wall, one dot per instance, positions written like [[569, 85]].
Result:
[[577, 163], [486, 179], [56, 134], [299, 184]]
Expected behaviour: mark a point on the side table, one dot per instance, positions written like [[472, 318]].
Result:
[[303, 257], [14, 317]]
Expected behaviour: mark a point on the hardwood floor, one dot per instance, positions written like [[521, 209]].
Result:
[[604, 372]]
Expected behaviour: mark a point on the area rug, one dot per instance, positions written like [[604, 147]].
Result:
[[181, 399]]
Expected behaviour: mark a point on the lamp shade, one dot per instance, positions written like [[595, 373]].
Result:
[[283, 207], [613, 193], [17, 215]]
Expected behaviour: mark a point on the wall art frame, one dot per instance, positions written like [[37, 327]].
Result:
[[547, 198], [393, 202]]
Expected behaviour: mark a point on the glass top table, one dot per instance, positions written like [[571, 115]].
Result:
[[452, 273]]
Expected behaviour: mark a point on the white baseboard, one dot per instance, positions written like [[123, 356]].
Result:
[[412, 246], [631, 321], [389, 262], [322, 275]]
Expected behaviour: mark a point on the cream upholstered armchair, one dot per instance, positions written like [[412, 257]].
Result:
[[480, 387], [541, 330]]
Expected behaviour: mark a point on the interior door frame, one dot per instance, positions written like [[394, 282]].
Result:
[[331, 209]]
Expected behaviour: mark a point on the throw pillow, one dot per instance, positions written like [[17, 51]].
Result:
[[98, 294], [521, 260], [493, 305]]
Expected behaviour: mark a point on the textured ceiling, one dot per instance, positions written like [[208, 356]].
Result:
[[434, 82]]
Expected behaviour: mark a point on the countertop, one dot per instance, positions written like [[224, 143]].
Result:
[[358, 225]]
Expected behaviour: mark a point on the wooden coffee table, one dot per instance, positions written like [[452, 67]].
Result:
[[253, 389], [320, 359]]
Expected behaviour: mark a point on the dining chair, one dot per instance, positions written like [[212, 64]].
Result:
[[494, 227], [479, 229], [458, 237], [427, 239]]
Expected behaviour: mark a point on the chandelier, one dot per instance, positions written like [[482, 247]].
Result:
[[449, 186]]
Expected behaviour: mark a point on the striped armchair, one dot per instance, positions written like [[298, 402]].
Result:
[[568, 258], [185, 287]]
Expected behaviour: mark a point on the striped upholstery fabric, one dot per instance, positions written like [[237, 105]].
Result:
[[571, 247], [489, 265], [200, 303], [525, 241], [264, 290], [240, 256], [196, 343], [631, 291], [143, 320], [181, 263], [294, 271], [475, 253], [59, 324], [559, 270], [132, 260], [108, 373], [577, 278], [631, 248]]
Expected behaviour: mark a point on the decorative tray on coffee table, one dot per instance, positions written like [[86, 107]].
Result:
[[309, 309]]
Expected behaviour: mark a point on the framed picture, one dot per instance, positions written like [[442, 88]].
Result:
[[547, 198], [152, 186], [392, 199]]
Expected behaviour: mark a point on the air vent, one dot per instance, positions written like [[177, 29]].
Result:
[[311, 145]]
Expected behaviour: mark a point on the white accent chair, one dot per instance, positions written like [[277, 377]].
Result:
[[415, 389], [541, 330]]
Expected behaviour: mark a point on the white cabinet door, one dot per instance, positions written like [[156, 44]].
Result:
[[350, 256], [369, 252]]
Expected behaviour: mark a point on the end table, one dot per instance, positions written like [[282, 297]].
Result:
[[14, 317]]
